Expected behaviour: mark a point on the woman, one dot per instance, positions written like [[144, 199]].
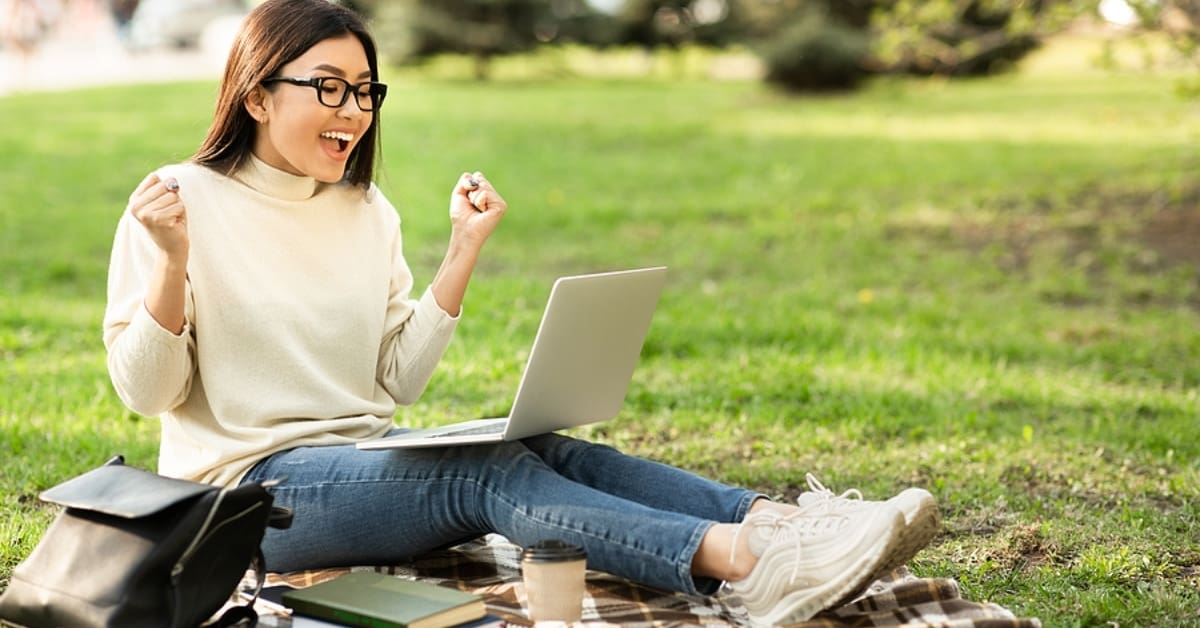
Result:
[[260, 303]]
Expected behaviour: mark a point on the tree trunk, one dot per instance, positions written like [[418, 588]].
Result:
[[482, 66]]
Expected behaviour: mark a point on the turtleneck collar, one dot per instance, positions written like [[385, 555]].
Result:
[[276, 183]]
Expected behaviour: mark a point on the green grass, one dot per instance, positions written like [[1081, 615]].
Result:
[[990, 289]]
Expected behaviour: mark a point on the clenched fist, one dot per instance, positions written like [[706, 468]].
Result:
[[156, 204]]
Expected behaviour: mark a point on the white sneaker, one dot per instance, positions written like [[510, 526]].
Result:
[[922, 519], [809, 560]]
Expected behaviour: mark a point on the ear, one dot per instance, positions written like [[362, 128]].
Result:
[[256, 103]]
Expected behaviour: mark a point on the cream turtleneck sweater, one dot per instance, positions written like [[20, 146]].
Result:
[[300, 325]]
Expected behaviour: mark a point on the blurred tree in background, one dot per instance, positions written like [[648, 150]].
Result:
[[674, 23], [1179, 21], [804, 44], [971, 38], [811, 45], [412, 30]]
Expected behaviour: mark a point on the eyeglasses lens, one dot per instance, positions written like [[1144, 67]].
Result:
[[333, 92]]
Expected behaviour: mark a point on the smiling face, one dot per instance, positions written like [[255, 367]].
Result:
[[295, 132]]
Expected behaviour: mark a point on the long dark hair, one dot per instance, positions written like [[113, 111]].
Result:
[[271, 36]]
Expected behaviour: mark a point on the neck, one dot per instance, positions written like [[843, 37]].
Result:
[[276, 183]]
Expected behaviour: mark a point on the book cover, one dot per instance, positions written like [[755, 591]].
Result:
[[382, 601]]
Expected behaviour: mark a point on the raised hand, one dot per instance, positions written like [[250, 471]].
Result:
[[475, 209], [156, 204]]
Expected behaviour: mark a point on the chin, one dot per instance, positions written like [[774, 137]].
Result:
[[330, 175]]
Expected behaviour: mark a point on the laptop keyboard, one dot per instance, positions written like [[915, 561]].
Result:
[[491, 428]]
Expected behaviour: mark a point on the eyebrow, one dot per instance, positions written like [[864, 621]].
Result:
[[336, 71]]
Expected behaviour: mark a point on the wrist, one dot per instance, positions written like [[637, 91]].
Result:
[[463, 247], [174, 262]]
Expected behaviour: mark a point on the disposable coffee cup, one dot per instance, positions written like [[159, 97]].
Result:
[[553, 572]]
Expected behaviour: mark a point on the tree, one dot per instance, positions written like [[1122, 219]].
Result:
[[1179, 20], [822, 44], [365, 8], [816, 49], [965, 37], [673, 23], [412, 30]]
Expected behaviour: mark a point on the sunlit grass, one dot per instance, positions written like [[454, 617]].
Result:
[[983, 288]]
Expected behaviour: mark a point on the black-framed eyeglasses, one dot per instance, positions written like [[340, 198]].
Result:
[[333, 91]]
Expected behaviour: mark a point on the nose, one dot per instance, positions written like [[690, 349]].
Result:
[[349, 109]]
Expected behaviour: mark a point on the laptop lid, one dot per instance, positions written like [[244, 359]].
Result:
[[585, 350], [579, 368]]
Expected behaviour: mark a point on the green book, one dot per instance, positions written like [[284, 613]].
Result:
[[382, 601]]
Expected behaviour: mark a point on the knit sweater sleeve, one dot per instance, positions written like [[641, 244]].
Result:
[[416, 334], [150, 367]]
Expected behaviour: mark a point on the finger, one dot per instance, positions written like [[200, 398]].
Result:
[[156, 190], [157, 197], [154, 186], [487, 195], [150, 180], [490, 201], [480, 179], [479, 197], [167, 220], [153, 212], [465, 184]]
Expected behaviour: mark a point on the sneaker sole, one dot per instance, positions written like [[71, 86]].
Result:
[[913, 537], [918, 531], [802, 605]]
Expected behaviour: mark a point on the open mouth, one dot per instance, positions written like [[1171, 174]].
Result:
[[340, 139]]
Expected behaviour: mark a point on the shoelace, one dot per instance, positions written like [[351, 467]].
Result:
[[826, 495], [790, 525]]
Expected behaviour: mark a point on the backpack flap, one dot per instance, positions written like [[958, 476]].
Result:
[[136, 550], [121, 491]]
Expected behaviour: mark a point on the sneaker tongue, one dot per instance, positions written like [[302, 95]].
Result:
[[770, 526], [810, 498], [824, 501], [759, 530], [760, 537]]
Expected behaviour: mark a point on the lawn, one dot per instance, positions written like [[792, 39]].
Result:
[[990, 289]]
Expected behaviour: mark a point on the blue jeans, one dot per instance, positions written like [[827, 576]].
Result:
[[635, 518]]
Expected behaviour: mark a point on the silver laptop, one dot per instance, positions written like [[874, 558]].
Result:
[[580, 366]]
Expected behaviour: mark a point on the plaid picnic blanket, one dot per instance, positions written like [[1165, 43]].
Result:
[[491, 567]]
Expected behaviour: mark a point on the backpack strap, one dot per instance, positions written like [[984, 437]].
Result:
[[235, 615], [281, 518]]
